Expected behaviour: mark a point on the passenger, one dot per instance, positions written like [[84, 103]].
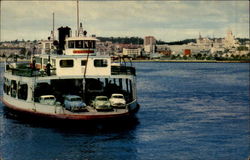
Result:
[[48, 67], [33, 65]]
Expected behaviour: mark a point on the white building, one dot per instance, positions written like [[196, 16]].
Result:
[[204, 43], [131, 52], [230, 40], [46, 46], [149, 49]]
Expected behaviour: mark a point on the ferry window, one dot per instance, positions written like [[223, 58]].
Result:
[[83, 63], [66, 63], [47, 45], [93, 44], [7, 89], [53, 62], [23, 91], [79, 44], [7, 86], [86, 44], [4, 88], [13, 88], [38, 60], [71, 44], [89, 44], [45, 61], [100, 63]]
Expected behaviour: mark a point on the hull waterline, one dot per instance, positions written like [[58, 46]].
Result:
[[71, 117]]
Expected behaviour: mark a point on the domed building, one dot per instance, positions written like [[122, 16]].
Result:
[[230, 40]]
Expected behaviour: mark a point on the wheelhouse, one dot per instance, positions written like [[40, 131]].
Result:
[[80, 46]]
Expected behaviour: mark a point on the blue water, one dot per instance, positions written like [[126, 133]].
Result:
[[188, 111]]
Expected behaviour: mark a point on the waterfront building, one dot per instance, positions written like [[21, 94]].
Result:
[[149, 44], [203, 43], [18, 47], [163, 50], [131, 52], [46, 46], [187, 52], [185, 49], [149, 49], [105, 48], [218, 45], [6, 51], [229, 40], [149, 40], [129, 49]]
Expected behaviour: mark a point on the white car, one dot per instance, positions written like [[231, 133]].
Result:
[[74, 103], [117, 101], [47, 99], [101, 103]]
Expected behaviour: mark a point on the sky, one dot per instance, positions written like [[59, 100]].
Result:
[[165, 20]]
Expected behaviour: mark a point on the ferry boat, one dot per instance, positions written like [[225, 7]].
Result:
[[69, 80]]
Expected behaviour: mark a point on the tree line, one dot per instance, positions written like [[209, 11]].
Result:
[[135, 40], [122, 40], [138, 40]]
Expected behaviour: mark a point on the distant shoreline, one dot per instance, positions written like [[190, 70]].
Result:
[[169, 61], [194, 61], [189, 61]]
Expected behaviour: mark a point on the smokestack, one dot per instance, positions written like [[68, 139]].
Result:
[[63, 32]]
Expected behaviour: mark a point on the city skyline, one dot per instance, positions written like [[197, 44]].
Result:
[[165, 20]]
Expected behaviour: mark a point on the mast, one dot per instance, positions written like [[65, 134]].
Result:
[[53, 26], [77, 17]]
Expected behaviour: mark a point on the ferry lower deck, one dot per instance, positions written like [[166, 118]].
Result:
[[59, 112], [24, 93]]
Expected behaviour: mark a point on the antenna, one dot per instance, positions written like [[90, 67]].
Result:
[[53, 26], [77, 17]]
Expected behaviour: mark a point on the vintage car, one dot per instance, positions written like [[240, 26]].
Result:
[[47, 99], [74, 103], [117, 101], [101, 103]]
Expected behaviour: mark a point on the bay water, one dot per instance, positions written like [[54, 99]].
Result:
[[188, 111]]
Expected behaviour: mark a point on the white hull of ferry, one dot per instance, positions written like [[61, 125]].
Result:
[[59, 112]]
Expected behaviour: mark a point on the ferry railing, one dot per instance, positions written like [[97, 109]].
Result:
[[128, 104], [122, 70], [58, 105], [29, 72]]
